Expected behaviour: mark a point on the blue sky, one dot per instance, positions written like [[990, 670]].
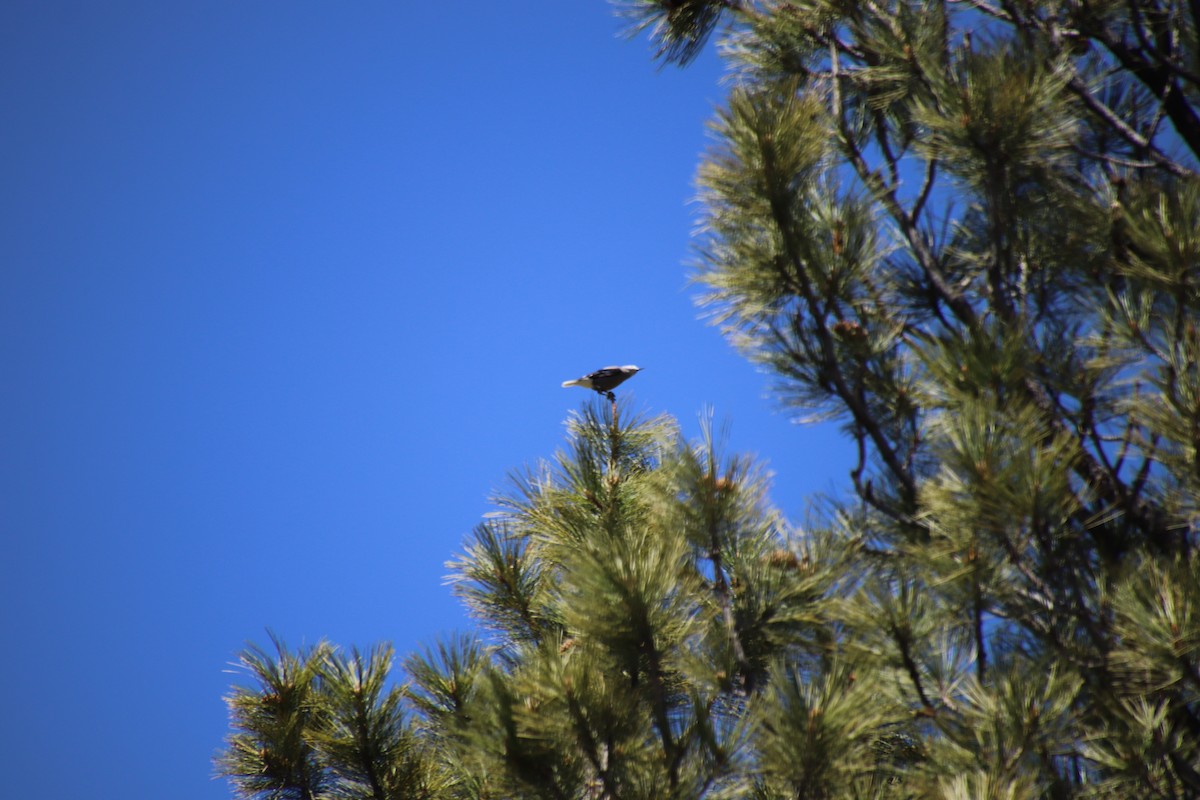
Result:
[[288, 289]]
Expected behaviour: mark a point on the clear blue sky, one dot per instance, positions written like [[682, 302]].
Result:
[[287, 290]]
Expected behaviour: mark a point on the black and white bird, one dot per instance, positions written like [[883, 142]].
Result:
[[605, 380]]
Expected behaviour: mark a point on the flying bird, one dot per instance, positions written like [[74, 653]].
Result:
[[605, 380]]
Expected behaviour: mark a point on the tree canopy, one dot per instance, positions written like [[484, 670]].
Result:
[[968, 232]]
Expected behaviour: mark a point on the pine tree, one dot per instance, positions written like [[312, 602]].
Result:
[[971, 233], [319, 723], [659, 633], [967, 231]]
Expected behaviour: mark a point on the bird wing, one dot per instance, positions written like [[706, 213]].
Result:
[[607, 379]]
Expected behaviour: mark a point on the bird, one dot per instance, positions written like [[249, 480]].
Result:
[[605, 380]]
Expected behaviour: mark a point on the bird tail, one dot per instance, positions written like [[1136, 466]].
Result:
[[576, 382]]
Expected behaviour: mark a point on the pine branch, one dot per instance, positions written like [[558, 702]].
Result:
[[977, 609], [591, 748], [656, 684], [1141, 143], [904, 644], [713, 491], [905, 220]]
